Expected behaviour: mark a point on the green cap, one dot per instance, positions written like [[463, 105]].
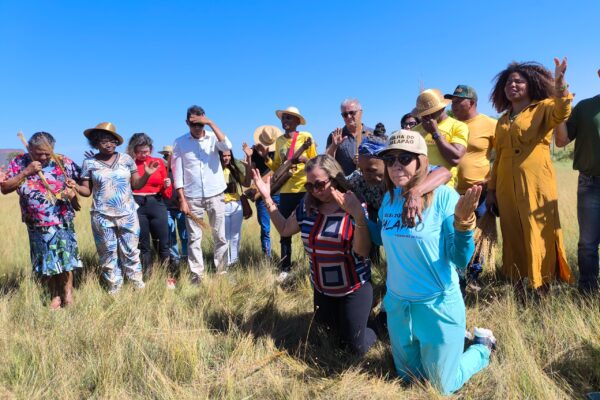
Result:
[[464, 91]]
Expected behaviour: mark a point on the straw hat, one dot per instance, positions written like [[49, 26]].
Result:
[[410, 141], [430, 101], [166, 150], [267, 135], [292, 111], [107, 127]]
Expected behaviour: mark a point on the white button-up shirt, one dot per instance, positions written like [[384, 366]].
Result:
[[196, 165]]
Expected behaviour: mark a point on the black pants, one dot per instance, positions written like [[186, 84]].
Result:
[[348, 316], [287, 205], [154, 221]]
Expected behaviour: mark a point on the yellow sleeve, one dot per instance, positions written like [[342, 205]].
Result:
[[460, 134], [491, 185], [311, 152], [561, 109], [276, 162]]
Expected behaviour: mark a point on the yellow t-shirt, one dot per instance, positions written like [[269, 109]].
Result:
[[454, 131], [282, 145], [231, 183], [475, 166]]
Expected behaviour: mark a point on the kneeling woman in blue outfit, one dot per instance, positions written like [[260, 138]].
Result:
[[425, 309]]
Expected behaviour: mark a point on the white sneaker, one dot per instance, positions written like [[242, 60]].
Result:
[[486, 337], [282, 277], [139, 285]]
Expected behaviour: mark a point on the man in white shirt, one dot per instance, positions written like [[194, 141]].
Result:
[[200, 184]]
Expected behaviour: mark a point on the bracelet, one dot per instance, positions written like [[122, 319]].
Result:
[[468, 225], [360, 225], [562, 88], [269, 205]]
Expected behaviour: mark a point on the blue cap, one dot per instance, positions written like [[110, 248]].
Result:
[[370, 147]]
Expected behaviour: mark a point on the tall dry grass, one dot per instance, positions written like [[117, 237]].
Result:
[[241, 336]]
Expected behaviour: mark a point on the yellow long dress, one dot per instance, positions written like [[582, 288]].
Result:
[[525, 184]]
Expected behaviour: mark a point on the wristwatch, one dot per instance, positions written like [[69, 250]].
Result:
[[435, 135]]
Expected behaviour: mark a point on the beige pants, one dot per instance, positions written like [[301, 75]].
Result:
[[215, 208]]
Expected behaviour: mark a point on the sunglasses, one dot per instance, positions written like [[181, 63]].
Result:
[[347, 114], [318, 185], [403, 158], [196, 124], [410, 124], [108, 141]]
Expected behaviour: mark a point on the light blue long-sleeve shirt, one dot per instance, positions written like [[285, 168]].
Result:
[[422, 261]]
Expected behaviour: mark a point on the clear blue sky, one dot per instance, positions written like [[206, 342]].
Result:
[[68, 65]]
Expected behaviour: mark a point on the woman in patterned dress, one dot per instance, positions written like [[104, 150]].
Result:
[[337, 243], [48, 214], [109, 177]]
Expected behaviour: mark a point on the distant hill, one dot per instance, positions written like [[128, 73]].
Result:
[[7, 155]]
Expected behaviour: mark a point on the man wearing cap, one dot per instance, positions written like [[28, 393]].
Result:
[[445, 136], [292, 190], [584, 127], [176, 218], [343, 143], [200, 185], [265, 135], [474, 168]]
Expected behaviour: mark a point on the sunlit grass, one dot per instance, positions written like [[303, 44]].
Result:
[[241, 336]]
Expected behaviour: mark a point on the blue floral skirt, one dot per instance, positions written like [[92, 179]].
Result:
[[53, 249]]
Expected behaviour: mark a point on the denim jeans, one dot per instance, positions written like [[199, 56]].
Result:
[[262, 215], [588, 215], [177, 225]]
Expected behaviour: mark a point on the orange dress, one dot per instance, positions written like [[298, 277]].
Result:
[[525, 183]]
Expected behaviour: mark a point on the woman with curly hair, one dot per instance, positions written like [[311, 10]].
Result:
[[522, 188]]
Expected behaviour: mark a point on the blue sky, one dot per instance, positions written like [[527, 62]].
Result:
[[68, 65]]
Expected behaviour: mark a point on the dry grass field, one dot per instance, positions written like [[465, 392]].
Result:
[[240, 336]]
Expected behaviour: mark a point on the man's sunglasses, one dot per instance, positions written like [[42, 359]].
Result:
[[196, 124], [347, 114], [318, 185], [403, 159]]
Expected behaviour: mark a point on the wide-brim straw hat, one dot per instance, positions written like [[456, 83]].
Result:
[[166, 150], [430, 101], [292, 111], [267, 135], [107, 127]]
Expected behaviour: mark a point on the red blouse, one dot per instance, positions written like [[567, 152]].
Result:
[[155, 183]]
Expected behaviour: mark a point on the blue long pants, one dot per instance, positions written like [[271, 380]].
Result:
[[427, 340]]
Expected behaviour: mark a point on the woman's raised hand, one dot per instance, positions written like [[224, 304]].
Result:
[[560, 67], [151, 167], [263, 187], [467, 204], [348, 202]]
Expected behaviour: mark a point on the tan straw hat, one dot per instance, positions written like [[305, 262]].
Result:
[[166, 150], [410, 141], [292, 111], [267, 135], [107, 127], [430, 101]]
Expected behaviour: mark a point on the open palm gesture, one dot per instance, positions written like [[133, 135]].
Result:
[[263, 186], [151, 167], [467, 204]]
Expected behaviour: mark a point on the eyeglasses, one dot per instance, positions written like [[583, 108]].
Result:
[[351, 113], [108, 141], [410, 124], [317, 185], [403, 158]]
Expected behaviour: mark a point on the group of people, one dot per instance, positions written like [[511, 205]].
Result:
[[418, 192]]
